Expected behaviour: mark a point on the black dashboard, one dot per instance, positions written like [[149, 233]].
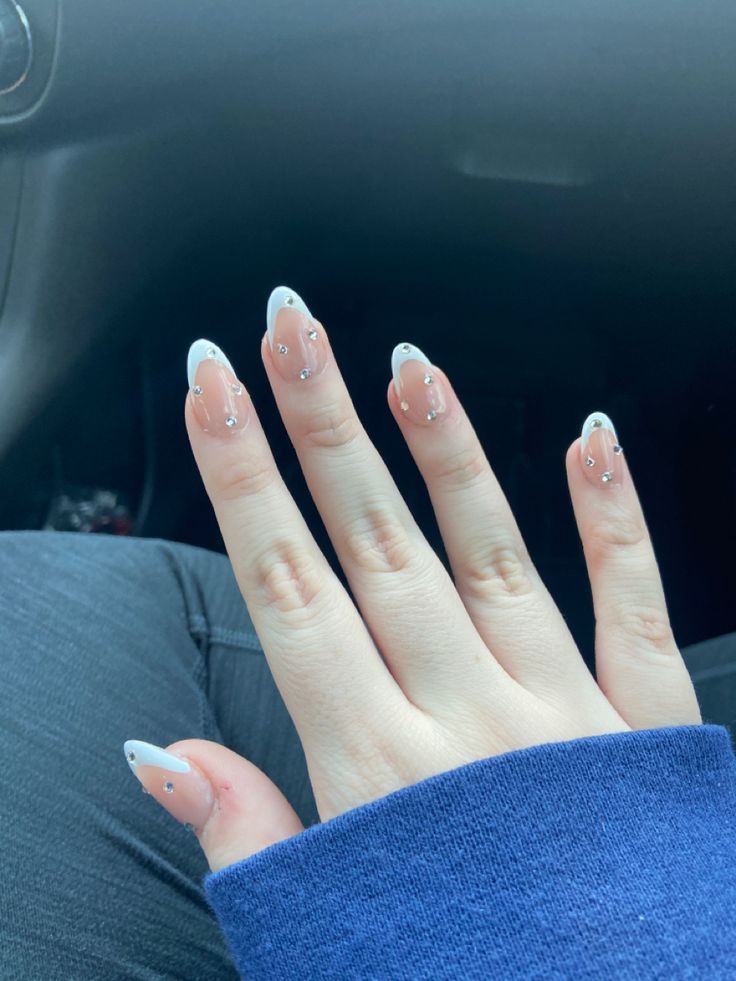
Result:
[[569, 164]]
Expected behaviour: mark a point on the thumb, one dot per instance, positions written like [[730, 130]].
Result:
[[231, 805]]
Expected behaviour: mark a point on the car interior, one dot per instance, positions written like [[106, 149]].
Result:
[[539, 194]]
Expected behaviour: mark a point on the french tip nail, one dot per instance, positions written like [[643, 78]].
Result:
[[283, 296], [199, 351], [404, 351], [596, 420], [139, 753]]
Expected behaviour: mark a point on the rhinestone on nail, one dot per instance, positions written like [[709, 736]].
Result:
[[130, 757], [304, 374], [236, 388], [589, 461], [230, 421], [608, 475], [597, 423], [189, 827], [618, 450], [312, 334], [197, 390], [428, 380], [431, 415], [289, 301], [211, 352], [281, 348], [404, 406], [169, 787], [406, 348]]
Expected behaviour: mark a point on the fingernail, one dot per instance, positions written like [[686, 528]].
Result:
[[219, 400], [421, 394], [600, 451], [180, 788], [298, 343]]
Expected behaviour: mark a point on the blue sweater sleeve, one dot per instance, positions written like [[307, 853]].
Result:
[[605, 857]]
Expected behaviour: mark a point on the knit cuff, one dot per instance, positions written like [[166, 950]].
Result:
[[604, 856]]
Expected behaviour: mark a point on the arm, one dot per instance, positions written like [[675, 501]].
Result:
[[610, 856]]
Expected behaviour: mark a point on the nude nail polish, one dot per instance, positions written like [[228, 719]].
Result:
[[421, 393], [178, 786], [219, 400], [600, 451], [297, 341]]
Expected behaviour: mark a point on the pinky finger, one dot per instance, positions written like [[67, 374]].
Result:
[[638, 665]]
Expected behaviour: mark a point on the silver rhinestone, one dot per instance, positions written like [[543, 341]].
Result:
[[404, 406], [618, 450], [312, 334], [236, 389], [589, 461], [596, 423], [431, 415], [169, 787], [289, 301], [197, 390], [281, 348], [230, 421], [428, 380], [145, 791], [189, 827], [608, 475], [406, 348], [304, 374], [130, 757], [211, 352]]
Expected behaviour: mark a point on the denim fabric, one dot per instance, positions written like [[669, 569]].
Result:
[[102, 640]]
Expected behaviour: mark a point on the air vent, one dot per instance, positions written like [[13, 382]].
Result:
[[15, 46]]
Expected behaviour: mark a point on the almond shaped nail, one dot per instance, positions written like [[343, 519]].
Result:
[[421, 394], [298, 343], [180, 788], [600, 450], [219, 399]]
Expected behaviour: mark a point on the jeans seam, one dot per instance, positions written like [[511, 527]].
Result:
[[200, 628]]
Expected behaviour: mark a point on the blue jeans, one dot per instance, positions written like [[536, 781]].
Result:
[[106, 639]]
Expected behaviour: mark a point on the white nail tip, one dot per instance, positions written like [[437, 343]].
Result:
[[596, 420], [200, 351], [147, 754], [405, 352], [277, 301]]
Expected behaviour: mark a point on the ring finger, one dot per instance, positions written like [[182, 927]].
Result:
[[494, 575]]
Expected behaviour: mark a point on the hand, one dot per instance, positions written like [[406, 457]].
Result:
[[431, 672]]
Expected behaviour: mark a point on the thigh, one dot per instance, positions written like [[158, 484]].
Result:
[[102, 640]]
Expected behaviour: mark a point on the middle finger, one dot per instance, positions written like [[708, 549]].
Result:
[[407, 599]]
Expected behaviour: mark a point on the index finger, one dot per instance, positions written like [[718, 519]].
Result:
[[318, 648]]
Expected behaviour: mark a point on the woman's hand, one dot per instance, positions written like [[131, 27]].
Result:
[[428, 672]]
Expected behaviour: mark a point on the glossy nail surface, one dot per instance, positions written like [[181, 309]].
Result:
[[298, 344], [220, 402], [420, 392], [600, 451], [180, 788]]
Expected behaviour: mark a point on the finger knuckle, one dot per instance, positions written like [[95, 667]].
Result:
[[331, 427], [614, 537], [289, 581], [239, 478], [643, 625], [460, 469], [377, 541], [496, 571]]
